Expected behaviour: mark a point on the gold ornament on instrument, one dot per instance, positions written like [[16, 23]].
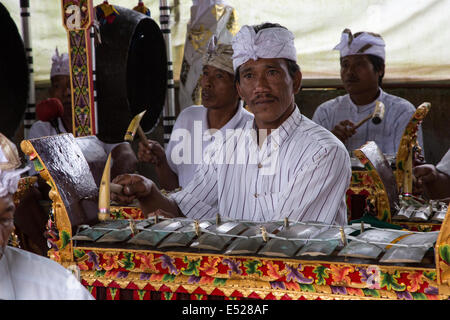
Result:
[[264, 233], [133, 228], [197, 228], [104, 193], [343, 237], [218, 220], [286, 222]]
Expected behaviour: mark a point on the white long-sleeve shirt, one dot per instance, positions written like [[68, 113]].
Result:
[[302, 174], [190, 138], [28, 276], [444, 164], [387, 134]]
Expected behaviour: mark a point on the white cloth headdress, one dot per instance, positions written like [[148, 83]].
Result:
[[9, 161], [219, 55], [362, 43], [60, 64], [268, 43]]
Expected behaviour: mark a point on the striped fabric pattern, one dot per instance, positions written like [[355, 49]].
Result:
[[311, 173]]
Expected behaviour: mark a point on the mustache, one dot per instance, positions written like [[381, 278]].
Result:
[[263, 97]]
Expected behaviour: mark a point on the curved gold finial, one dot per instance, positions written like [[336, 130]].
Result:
[[403, 173], [135, 126], [104, 192]]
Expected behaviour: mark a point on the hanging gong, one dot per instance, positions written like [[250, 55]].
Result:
[[131, 71], [14, 76]]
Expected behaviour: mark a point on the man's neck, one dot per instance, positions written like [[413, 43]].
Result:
[[365, 98], [217, 118], [269, 127]]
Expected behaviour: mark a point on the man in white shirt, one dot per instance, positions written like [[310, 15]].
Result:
[[362, 60], [25, 275], [434, 180], [281, 165], [196, 126]]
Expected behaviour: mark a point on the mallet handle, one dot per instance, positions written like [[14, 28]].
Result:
[[359, 124], [141, 134]]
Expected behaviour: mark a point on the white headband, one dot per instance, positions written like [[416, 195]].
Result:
[[60, 64], [9, 161], [364, 43], [268, 43]]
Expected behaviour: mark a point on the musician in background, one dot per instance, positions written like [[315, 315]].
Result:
[[25, 275], [281, 165], [197, 124], [362, 60], [124, 158], [432, 180], [30, 217]]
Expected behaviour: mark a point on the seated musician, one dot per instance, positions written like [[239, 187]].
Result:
[[25, 275], [362, 60], [434, 181], [281, 165], [124, 158], [30, 217], [221, 110]]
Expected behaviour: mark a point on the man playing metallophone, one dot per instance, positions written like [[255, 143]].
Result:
[[434, 180], [362, 60], [281, 165], [221, 110]]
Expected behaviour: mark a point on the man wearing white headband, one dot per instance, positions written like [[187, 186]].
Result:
[[221, 110], [25, 275], [301, 171], [362, 59]]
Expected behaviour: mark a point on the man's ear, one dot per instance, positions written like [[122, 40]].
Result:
[[238, 88], [297, 83]]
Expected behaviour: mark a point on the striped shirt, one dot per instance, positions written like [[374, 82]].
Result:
[[387, 134], [191, 134], [301, 172]]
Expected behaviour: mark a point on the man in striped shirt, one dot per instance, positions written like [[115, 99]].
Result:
[[281, 165]]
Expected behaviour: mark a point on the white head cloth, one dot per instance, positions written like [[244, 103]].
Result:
[[268, 43], [9, 161], [362, 43], [60, 64]]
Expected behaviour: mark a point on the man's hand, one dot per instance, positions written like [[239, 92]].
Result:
[[134, 187], [124, 160], [150, 198], [426, 174], [344, 130], [152, 152]]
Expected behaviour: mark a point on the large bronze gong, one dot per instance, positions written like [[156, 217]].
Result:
[[131, 70], [14, 76]]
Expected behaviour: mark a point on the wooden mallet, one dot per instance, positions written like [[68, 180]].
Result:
[[376, 116]]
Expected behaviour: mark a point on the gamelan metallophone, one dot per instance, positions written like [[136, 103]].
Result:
[[186, 259]]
